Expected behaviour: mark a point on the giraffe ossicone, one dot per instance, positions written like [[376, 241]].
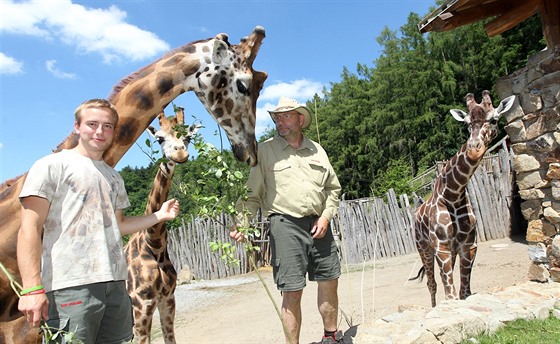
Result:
[[445, 225]]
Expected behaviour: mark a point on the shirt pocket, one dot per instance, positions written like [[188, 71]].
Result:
[[318, 173], [280, 173]]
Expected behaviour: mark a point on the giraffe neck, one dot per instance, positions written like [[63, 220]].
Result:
[[453, 179], [156, 236], [142, 95]]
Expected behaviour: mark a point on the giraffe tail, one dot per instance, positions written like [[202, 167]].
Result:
[[420, 275]]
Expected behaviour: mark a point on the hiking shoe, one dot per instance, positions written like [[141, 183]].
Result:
[[336, 340]]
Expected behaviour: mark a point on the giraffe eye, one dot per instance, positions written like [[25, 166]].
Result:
[[242, 88], [160, 139]]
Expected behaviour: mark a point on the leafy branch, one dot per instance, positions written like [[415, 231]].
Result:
[[219, 167]]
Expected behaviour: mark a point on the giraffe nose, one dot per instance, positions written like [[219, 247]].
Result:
[[180, 156], [476, 144]]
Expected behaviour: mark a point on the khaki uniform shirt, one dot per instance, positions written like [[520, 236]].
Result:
[[293, 182]]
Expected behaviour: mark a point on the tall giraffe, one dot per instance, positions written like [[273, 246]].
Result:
[[151, 275], [222, 77], [445, 224]]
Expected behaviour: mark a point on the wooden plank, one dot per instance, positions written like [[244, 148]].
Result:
[[550, 16], [482, 191], [395, 226], [473, 199], [520, 10]]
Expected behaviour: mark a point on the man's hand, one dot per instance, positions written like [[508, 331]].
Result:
[[236, 235], [35, 308], [320, 227], [170, 209]]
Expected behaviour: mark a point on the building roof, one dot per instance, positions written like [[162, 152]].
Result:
[[507, 13]]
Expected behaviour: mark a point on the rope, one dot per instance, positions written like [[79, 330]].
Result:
[[317, 122]]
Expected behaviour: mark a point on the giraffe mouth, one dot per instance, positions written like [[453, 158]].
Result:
[[241, 153], [475, 152], [179, 158]]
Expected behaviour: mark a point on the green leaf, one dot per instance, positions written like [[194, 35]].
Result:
[[238, 174]]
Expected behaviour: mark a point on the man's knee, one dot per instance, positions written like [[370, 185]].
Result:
[[292, 297], [328, 284]]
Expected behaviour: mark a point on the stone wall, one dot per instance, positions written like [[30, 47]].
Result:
[[533, 126]]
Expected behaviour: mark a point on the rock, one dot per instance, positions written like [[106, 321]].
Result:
[[535, 231], [538, 273], [184, 276], [453, 321]]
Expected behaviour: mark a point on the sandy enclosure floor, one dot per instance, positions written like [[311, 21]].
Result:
[[238, 310]]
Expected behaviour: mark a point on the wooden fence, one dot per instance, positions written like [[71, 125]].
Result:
[[367, 229], [189, 247]]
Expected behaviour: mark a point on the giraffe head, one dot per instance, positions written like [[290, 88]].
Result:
[[482, 121], [173, 143], [220, 74], [228, 86]]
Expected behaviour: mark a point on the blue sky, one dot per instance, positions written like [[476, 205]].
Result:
[[54, 54]]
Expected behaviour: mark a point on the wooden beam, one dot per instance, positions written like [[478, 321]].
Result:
[[520, 11], [550, 16], [463, 13]]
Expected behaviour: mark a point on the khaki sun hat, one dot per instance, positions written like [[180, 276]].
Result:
[[287, 104]]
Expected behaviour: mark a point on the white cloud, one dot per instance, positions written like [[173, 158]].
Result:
[[106, 32], [9, 65], [263, 119], [203, 29], [51, 67], [301, 90]]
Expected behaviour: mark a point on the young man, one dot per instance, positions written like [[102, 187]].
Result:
[[69, 248], [295, 186]]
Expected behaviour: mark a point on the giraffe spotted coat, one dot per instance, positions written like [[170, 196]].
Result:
[[445, 225]]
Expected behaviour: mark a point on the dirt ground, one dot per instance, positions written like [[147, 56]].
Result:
[[238, 310]]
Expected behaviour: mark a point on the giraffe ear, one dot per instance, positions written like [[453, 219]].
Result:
[[151, 130], [505, 105], [220, 51], [193, 129], [459, 115]]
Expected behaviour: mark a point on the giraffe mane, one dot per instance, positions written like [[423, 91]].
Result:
[[72, 139], [6, 184], [134, 75], [69, 142]]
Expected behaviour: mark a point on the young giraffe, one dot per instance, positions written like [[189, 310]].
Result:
[[222, 77], [151, 276], [445, 224]]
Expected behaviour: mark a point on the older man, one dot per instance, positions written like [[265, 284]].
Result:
[[295, 186]]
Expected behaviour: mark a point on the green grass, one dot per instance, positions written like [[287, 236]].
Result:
[[523, 331]]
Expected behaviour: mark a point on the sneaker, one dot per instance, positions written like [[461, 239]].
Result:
[[336, 340]]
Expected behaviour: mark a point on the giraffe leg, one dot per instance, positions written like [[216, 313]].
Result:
[[467, 256], [166, 310], [143, 314], [427, 256], [431, 281], [444, 258]]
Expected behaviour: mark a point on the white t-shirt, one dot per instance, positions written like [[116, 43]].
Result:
[[82, 243]]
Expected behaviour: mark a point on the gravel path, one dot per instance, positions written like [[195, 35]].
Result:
[[238, 310]]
